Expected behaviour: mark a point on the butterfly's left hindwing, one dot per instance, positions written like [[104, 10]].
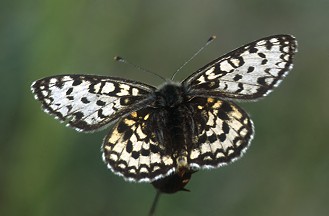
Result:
[[132, 148], [88, 102]]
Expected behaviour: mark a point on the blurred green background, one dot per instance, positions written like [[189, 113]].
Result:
[[49, 169]]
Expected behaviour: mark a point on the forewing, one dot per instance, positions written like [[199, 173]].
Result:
[[248, 72], [89, 102], [224, 132], [132, 148]]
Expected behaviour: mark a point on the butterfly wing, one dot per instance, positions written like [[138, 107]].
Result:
[[135, 148], [223, 132], [89, 102], [248, 72]]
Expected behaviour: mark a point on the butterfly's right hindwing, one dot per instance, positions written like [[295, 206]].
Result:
[[89, 102], [224, 132]]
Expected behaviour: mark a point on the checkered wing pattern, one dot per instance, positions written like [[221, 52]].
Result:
[[224, 132], [89, 102], [133, 148], [249, 72], [178, 127]]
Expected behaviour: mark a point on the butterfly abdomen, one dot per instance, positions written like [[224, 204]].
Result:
[[171, 103]]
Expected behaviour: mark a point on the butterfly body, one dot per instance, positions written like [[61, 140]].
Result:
[[171, 131], [170, 95]]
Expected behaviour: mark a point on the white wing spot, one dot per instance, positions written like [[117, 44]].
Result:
[[209, 72], [97, 87], [135, 91], [225, 66], [108, 87]]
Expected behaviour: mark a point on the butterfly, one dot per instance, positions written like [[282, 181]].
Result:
[[163, 135]]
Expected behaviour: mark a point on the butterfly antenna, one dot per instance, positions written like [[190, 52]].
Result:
[[154, 204], [122, 60], [195, 54]]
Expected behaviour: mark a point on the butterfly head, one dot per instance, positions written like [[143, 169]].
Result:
[[170, 95]]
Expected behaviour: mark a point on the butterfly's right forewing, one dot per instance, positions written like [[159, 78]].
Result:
[[249, 72]]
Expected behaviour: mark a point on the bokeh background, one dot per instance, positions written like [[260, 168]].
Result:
[[48, 169]]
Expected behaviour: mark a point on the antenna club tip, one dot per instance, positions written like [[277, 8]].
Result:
[[213, 37], [118, 58]]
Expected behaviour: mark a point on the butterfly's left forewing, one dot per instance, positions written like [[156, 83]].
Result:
[[89, 102]]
